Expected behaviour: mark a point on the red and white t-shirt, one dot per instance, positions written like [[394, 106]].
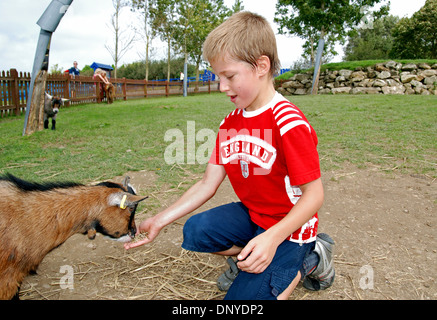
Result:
[[267, 154]]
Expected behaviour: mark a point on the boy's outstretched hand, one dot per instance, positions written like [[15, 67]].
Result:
[[148, 226]]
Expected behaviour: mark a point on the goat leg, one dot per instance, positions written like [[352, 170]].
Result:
[[91, 234]]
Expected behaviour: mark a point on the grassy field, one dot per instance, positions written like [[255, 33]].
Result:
[[95, 142]]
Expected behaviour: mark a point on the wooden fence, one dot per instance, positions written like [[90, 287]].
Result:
[[14, 89]]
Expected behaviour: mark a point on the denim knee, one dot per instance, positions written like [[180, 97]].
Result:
[[218, 229], [199, 236], [193, 229]]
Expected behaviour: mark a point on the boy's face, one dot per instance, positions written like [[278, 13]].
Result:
[[241, 82]]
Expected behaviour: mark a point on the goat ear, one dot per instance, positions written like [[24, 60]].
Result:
[[133, 199], [115, 199]]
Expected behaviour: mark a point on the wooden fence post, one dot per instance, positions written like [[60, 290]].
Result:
[[98, 97], [167, 88], [124, 89], [14, 91], [67, 88]]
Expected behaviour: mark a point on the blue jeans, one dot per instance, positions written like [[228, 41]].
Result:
[[222, 227]]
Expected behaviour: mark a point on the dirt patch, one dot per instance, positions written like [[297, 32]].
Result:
[[383, 225]]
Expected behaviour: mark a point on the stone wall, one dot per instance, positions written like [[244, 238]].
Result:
[[383, 78]]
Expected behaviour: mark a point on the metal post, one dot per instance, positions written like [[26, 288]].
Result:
[[185, 79], [320, 48]]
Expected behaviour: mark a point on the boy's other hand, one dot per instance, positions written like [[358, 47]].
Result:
[[257, 255]]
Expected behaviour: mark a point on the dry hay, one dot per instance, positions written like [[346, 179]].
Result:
[[144, 275], [163, 276]]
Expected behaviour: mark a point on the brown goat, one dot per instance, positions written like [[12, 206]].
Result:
[[110, 92], [36, 218]]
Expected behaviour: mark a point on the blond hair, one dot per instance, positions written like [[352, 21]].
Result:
[[100, 71], [245, 36]]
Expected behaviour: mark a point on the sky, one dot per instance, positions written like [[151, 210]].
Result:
[[84, 31]]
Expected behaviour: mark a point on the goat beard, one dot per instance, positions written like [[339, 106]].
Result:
[[124, 239]]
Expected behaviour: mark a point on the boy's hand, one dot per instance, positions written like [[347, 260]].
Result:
[[257, 255], [148, 226]]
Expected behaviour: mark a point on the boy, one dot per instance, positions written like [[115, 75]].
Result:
[[268, 150], [74, 70]]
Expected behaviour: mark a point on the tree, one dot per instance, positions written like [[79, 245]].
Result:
[[157, 69], [56, 69], [197, 18], [371, 43], [332, 19], [310, 46], [87, 71], [163, 19], [122, 41], [216, 12], [147, 33], [416, 37], [237, 7]]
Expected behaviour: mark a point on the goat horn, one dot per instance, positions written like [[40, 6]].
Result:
[[126, 181]]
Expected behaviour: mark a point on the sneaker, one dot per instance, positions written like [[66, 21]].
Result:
[[323, 275], [226, 279]]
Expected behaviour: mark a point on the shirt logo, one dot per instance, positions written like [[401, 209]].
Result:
[[248, 148], [244, 168]]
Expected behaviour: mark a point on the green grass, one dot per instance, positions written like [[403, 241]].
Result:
[[96, 142], [352, 65], [390, 132]]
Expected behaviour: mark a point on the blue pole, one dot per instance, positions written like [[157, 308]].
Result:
[[320, 48]]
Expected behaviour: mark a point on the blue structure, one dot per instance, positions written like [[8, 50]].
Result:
[[102, 66], [208, 76]]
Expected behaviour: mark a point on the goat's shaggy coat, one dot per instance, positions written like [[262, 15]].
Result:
[[36, 218], [110, 93]]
